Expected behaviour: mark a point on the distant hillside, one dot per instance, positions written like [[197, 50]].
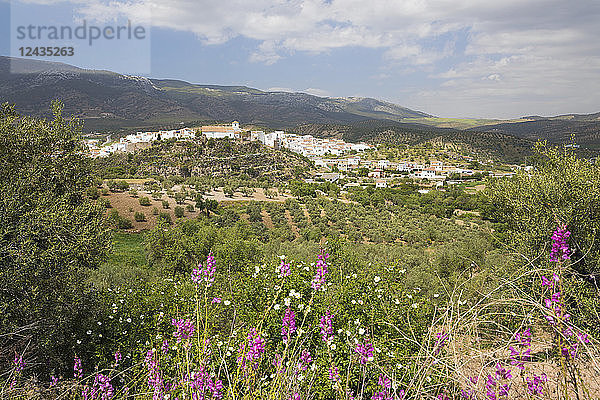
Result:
[[111, 101], [556, 130], [495, 145]]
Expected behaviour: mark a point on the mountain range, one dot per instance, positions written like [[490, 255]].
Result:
[[106, 99], [109, 102]]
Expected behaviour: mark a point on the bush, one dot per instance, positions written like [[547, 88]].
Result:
[[165, 217], [144, 201], [139, 216], [561, 188], [154, 211], [190, 208], [165, 204], [105, 203], [51, 237], [92, 193], [178, 211], [124, 223]]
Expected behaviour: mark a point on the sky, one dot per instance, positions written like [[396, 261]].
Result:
[[450, 58]]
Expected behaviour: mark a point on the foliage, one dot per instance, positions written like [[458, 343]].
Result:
[[139, 216], [178, 211], [50, 236], [565, 188], [144, 201]]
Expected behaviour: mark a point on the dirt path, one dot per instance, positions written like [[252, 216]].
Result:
[[267, 219], [307, 215], [291, 223]]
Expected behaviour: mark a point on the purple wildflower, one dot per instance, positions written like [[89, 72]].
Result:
[[326, 325], [305, 359], [469, 392], [155, 380], [207, 273], [535, 384], [295, 396], [117, 358], [19, 363], [252, 350], [523, 351], [284, 268], [384, 381], [216, 300], [365, 350], [502, 373], [288, 325], [278, 362], [185, 329], [334, 373], [319, 279], [53, 381], [440, 342], [560, 249], [77, 368], [205, 386], [384, 392], [165, 347], [102, 387]]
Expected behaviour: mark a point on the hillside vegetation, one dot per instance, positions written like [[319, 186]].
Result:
[[201, 157], [495, 145], [389, 294]]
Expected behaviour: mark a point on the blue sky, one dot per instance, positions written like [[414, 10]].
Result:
[[452, 58]]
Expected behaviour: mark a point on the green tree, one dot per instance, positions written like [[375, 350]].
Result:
[[178, 211], [210, 205], [139, 216], [51, 234]]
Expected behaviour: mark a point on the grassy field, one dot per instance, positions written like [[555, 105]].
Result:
[[126, 261], [127, 248]]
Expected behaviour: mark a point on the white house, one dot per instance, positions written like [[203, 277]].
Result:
[[221, 131], [427, 173], [383, 164], [380, 183]]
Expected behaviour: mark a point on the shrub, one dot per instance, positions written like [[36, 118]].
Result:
[[124, 223], [190, 208], [178, 211], [104, 192], [165, 204], [51, 236], [144, 201], [561, 187], [104, 202], [154, 211], [165, 217], [92, 193], [139, 216]]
